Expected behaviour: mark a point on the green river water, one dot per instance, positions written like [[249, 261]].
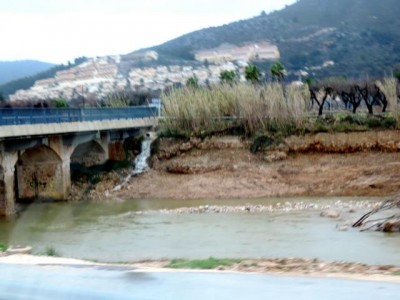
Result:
[[113, 232]]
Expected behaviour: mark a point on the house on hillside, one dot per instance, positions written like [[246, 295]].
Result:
[[247, 52]]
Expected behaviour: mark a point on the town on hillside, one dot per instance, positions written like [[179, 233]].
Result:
[[100, 76]]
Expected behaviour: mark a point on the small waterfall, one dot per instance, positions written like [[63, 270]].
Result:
[[141, 165], [140, 162]]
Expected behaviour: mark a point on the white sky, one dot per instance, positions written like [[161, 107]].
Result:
[[60, 30]]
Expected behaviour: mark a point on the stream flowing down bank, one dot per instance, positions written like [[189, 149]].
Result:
[[140, 162]]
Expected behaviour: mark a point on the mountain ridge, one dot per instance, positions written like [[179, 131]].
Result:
[[12, 70], [315, 38], [366, 36]]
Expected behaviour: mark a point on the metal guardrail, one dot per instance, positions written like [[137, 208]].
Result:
[[22, 116]]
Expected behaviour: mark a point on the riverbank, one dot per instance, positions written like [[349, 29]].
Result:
[[225, 168], [279, 266]]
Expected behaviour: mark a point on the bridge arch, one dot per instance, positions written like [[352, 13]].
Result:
[[39, 174], [89, 154]]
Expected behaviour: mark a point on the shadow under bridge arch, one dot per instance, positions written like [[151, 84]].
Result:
[[89, 154]]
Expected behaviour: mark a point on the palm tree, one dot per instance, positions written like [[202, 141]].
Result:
[[278, 71], [192, 82], [252, 73], [227, 76]]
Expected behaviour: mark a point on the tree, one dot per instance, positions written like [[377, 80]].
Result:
[[60, 103], [252, 73], [2, 99], [278, 71], [192, 82], [309, 81], [227, 76], [396, 71]]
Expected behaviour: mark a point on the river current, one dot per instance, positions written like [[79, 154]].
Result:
[[115, 232]]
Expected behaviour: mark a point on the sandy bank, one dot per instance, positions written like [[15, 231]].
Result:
[[281, 267]]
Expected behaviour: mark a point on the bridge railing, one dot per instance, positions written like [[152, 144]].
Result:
[[20, 116]]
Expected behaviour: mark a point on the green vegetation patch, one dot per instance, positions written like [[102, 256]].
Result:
[[397, 273], [342, 122], [261, 142], [206, 264], [51, 251], [3, 247]]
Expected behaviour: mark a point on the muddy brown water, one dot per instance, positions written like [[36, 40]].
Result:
[[114, 232]]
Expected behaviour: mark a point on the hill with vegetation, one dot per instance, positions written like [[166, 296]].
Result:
[[28, 81], [356, 39], [11, 70], [361, 37]]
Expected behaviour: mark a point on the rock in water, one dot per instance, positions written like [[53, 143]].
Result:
[[330, 214]]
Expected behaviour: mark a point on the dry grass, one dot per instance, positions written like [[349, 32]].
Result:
[[115, 100], [219, 107]]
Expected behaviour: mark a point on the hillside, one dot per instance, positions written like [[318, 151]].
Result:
[[360, 36], [11, 70], [28, 81]]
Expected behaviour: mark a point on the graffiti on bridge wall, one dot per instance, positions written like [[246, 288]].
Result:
[[36, 181]]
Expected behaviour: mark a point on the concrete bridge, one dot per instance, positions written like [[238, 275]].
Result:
[[38, 145]]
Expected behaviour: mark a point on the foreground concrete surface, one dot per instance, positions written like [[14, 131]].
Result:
[[116, 282]]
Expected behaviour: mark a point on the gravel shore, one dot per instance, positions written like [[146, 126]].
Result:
[[338, 206]]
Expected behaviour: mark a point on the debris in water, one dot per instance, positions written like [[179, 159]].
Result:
[[389, 223]]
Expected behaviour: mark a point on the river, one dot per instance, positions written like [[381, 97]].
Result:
[[114, 232]]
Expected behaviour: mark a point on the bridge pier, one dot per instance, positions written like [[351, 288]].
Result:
[[7, 173], [64, 152]]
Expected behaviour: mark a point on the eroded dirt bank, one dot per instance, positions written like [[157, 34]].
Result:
[[359, 164]]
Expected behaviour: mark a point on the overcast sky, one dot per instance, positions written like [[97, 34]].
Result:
[[60, 30]]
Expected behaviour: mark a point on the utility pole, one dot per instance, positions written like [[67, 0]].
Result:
[[83, 98]]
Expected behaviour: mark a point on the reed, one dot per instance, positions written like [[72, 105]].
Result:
[[115, 100], [389, 87], [216, 108]]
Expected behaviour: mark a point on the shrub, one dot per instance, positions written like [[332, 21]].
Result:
[[3, 247], [261, 142], [50, 251], [389, 122], [374, 123]]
